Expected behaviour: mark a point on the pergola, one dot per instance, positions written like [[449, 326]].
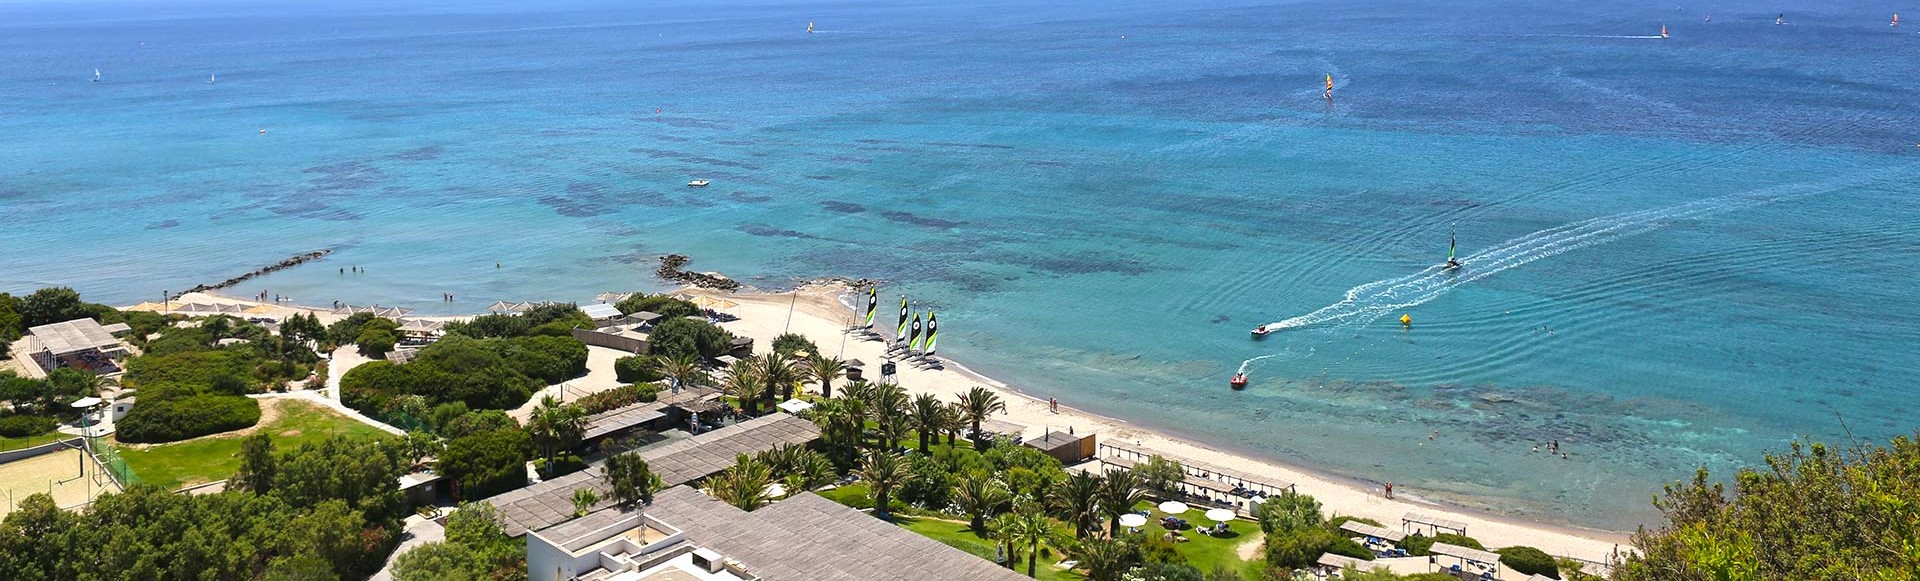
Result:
[[1487, 561], [1414, 520]]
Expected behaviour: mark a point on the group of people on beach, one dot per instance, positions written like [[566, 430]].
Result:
[[262, 297]]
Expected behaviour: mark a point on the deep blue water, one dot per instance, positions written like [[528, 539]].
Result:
[[1680, 252]]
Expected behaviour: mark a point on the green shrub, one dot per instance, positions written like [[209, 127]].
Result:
[[637, 369], [1346, 546], [169, 419], [486, 326], [375, 341], [790, 343], [487, 463], [675, 338], [548, 359], [665, 306], [344, 331], [562, 465], [1333, 524], [618, 397], [1529, 561], [194, 368], [23, 426]]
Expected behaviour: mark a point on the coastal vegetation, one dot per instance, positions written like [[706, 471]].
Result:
[[683, 337], [207, 459], [494, 373], [476, 548], [33, 408], [667, 306], [329, 509], [490, 460]]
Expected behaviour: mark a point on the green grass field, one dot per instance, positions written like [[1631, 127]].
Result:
[[960, 536], [30, 441], [211, 458]]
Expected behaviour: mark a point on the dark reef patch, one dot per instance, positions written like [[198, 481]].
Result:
[[766, 231], [579, 207], [851, 159], [824, 178], [971, 145], [748, 198], [918, 220], [1085, 263], [687, 122], [428, 153], [842, 207], [163, 224], [683, 156]]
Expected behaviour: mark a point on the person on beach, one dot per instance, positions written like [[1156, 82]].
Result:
[[1389, 491], [1053, 405]]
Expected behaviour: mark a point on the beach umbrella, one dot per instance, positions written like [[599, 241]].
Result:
[[1133, 519], [777, 490], [873, 304], [1173, 507], [259, 309], [902, 331], [1219, 515], [499, 307], [794, 406], [913, 336], [933, 333], [149, 307]]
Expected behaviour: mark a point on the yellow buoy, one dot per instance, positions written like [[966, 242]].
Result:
[[1406, 320]]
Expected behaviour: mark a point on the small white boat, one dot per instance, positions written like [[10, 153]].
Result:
[[698, 183], [211, 78], [96, 75]]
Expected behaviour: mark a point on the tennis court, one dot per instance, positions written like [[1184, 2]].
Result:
[[57, 472]]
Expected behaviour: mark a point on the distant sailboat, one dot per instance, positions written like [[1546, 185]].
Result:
[[1896, 20], [1709, 18], [809, 28], [211, 78], [1329, 87], [1781, 19], [1453, 241], [96, 75], [1663, 31]]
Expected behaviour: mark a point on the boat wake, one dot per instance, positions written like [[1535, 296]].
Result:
[[1249, 362], [1368, 302]]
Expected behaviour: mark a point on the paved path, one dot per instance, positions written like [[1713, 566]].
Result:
[[419, 531]]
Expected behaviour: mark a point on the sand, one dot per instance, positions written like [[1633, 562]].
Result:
[[53, 472], [818, 314]]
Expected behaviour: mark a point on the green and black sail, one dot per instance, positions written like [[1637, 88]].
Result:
[[933, 333], [873, 304], [913, 336], [902, 331]]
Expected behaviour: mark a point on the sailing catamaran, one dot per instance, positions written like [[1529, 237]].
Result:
[[96, 75], [809, 28], [1453, 241], [211, 78], [1663, 31], [1896, 20], [1329, 87]]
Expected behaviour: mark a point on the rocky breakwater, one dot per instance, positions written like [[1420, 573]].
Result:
[[290, 262], [673, 268]]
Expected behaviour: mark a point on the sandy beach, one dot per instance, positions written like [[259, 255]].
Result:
[[819, 314]]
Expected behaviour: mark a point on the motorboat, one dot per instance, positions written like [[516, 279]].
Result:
[[1239, 381], [698, 183], [1261, 331]]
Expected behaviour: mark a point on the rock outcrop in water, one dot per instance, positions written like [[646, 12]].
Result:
[[290, 262], [672, 268]]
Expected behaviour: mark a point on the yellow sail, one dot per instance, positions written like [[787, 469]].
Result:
[[1329, 82]]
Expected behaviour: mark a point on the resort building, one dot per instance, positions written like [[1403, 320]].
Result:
[[677, 461], [686, 536], [80, 344]]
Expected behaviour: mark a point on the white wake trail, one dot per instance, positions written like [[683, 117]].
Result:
[[1368, 302]]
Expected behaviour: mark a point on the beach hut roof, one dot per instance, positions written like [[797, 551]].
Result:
[[713, 303], [612, 297], [1332, 561], [1364, 529], [1467, 553], [74, 336], [600, 311], [500, 307], [644, 317], [259, 309], [1445, 523], [148, 307]]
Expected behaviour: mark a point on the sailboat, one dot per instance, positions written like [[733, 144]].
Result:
[[96, 75], [211, 78], [1453, 241], [1896, 20], [1663, 31], [809, 28], [1329, 87], [1781, 19]]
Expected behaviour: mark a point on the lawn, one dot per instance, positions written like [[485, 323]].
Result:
[[960, 536], [31, 441], [211, 458], [1204, 552]]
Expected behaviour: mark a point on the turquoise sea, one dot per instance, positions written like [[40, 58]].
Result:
[[1679, 252]]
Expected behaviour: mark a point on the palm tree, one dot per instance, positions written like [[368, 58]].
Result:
[[1002, 529], [842, 427], [683, 370], [633, 482], [556, 426], [779, 374], [979, 493], [889, 410], [929, 415], [824, 370], [860, 391], [744, 485], [743, 383], [1078, 501], [1118, 493], [1105, 559], [1030, 528], [882, 471], [952, 420], [583, 499], [979, 403]]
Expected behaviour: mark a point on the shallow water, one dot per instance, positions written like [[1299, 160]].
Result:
[[1679, 253]]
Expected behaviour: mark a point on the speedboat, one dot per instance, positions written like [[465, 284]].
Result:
[[1261, 331], [1239, 381], [698, 183]]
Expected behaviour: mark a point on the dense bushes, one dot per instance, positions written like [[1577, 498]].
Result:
[[193, 368], [618, 397], [682, 337], [790, 343], [1529, 561], [637, 369], [487, 463], [482, 373], [23, 426], [666, 306], [163, 418]]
